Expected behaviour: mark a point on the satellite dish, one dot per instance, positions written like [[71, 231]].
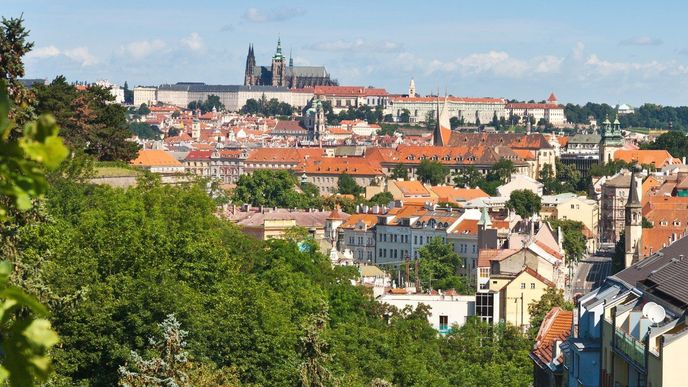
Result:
[[647, 307], [656, 314]]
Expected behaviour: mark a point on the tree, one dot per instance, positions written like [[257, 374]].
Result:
[[168, 367], [381, 199], [89, 120], [524, 202], [143, 110], [469, 177], [313, 369], [128, 94], [399, 173], [549, 181], [502, 170], [387, 130], [538, 309], [455, 122], [273, 188], [432, 172], [675, 142], [212, 102], [346, 185], [143, 130], [27, 335], [430, 119], [574, 240], [439, 266], [251, 107], [647, 223], [14, 45], [405, 116]]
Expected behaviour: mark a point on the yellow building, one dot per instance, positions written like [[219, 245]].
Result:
[[516, 293], [644, 330]]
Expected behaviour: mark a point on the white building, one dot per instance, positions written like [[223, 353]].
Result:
[[145, 94], [115, 90], [624, 109], [550, 111], [446, 309], [520, 182], [468, 109]]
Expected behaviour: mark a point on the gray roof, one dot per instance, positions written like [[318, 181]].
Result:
[[299, 71], [585, 139], [619, 181], [202, 87]]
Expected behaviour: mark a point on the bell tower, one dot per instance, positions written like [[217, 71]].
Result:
[[611, 140], [279, 67], [634, 219]]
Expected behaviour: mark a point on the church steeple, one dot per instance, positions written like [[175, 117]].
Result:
[[250, 65], [634, 218]]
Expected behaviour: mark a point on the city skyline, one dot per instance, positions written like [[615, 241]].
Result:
[[582, 52]]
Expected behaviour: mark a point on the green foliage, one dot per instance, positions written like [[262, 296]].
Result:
[[212, 102], [432, 172], [387, 129], [263, 107], [27, 336], [400, 173], [23, 158], [143, 110], [524, 202], [381, 199], [455, 122], [274, 188], [574, 240], [439, 266], [567, 179], [346, 185], [647, 223], [646, 116], [608, 169], [89, 120], [14, 45], [143, 130], [538, 309], [431, 119], [363, 112], [469, 177], [501, 171], [405, 116], [675, 142]]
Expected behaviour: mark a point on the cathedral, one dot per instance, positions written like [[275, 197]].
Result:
[[279, 73]]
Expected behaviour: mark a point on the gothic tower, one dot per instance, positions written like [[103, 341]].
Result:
[[249, 77], [611, 140], [634, 219], [279, 67]]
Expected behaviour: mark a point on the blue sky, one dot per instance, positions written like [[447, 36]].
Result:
[[611, 51]]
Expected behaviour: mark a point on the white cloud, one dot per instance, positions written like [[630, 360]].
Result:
[[81, 55], [256, 15], [44, 52], [356, 45], [548, 64], [641, 41], [142, 48], [497, 63], [193, 42]]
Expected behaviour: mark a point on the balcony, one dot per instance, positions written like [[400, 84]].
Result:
[[630, 348]]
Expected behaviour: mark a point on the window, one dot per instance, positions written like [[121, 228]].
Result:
[[444, 323], [532, 285], [523, 285]]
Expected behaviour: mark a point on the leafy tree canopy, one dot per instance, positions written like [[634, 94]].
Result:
[[524, 202], [432, 172]]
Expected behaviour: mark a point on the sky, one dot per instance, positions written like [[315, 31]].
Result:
[[600, 51]]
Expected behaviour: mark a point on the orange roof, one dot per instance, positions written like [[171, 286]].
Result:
[[411, 188], [457, 195], [659, 158], [336, 214], [525, 154], [556, 326], [487, 255], [284, 155], [563, 141], [467, 226], [369, 220], [155, 158], [471, 153], [348, 91], [337, 166], [449, 99], [552, 98], [518, 105]]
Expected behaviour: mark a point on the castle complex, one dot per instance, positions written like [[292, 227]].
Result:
[[279, 73]]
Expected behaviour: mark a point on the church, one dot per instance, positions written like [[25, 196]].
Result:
[[281, 74]]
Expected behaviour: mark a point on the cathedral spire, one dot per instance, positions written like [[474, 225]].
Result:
[[633, 220], [291, 60]]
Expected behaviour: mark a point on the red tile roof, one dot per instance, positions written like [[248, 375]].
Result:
[[349, 91], [199, 155], [155, 158], [449, 99], [556, 326]]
